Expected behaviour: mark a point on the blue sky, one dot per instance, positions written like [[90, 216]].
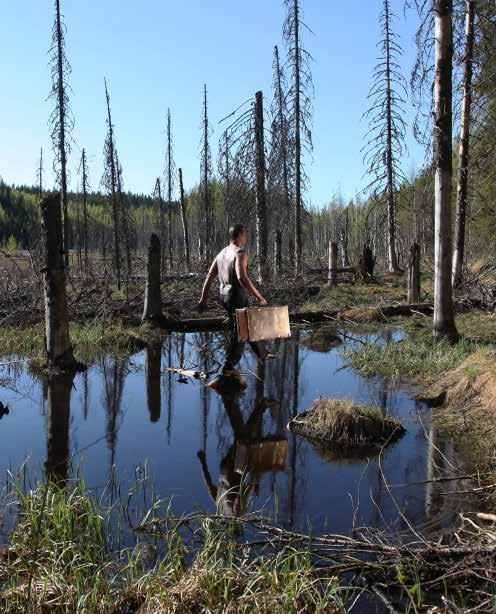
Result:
[[158, 54]]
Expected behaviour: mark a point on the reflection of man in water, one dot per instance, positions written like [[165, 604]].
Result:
[[231, 494], [231, 265]]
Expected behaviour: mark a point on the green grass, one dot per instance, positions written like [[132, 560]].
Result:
[[415, 359], [60, 559], [88, 339], [419, 358]]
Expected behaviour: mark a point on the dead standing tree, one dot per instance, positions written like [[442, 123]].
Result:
[[385, 138], [109, 180], [61, 120], [83, 169], [169, 181], [153, 300], [206, 172], [161, 216], [246, 137], [261, 214], [125, 226], [40, 175], [463, 158], [184, 221], [280, 170], [444, 320], [299, 102], [58, 343], [225, 166], [413, 278]]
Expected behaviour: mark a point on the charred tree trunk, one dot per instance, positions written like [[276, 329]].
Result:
[[367, 263], [184, 221], [291, 252], [113, 190], [169, 187], [62, 145], [414, 274], [261, 202], [333, 262], [463, 161], [391, 206], [85, 210], [161, 214], [278, 253], [283, 133], [207, 231], [297, 112], [444, 320], [58, 343], [123, 209], [153, 299], [344, 241], [40, 175]]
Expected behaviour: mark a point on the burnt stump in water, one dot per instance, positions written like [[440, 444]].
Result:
[[347, 424]]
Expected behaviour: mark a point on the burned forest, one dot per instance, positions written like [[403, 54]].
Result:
[[248, 307]]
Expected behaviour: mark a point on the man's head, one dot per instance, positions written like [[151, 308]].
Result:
[[238, 234]]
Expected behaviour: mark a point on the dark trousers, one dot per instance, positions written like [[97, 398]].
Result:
[[237, 347]]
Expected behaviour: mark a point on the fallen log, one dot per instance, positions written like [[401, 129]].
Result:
[[310, 317]]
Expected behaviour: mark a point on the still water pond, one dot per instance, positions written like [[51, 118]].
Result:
[[125, 414]]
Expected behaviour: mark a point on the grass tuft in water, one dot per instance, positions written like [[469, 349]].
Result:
[[343, 422]]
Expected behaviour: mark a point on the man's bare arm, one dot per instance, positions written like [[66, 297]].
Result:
[[244, 280], [212, 274]]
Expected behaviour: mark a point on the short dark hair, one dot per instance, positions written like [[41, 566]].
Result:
[[235, 231]]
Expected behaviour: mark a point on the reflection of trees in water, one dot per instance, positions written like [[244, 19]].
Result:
[[442, 503], [284, 384], [384, 393], [167, 350], [297, 475], [205, 359], [57, 427], [86, 394], [114, 371], [153, 373]]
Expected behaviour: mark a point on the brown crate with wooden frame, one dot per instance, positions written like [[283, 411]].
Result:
[[263, 323]]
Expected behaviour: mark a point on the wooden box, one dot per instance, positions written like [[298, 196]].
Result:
[[263, 323], [261, 457]]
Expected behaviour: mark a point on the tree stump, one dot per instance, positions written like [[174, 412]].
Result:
[[414, 274], [58, 343], [153, 299], [332, 277]]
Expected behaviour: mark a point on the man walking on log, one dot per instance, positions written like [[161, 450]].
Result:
[[231, 265]]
